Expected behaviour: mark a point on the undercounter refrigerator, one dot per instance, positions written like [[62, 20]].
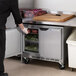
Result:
[[45, 43]]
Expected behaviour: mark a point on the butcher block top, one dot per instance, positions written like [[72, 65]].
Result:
[[54, 17]]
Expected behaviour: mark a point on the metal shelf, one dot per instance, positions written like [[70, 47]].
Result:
[[31, 41], [35, 51]]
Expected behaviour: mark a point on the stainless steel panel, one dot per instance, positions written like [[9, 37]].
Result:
[[50, 42]]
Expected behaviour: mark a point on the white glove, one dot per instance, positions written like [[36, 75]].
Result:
[[25, 30]]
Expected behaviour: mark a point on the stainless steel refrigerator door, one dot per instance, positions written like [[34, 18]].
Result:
[[12, 43], [50, 42]]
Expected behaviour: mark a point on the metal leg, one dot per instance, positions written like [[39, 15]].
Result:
[[21, 58], [22, 40]]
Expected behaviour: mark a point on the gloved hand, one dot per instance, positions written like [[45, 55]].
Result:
[[25, 30]]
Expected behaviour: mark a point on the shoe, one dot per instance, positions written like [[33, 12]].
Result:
[[4, 74]]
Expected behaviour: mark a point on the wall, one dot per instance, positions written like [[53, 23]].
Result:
[[59, 5], [26, 3]]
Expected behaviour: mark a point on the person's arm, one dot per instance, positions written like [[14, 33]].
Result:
[[16, 15]]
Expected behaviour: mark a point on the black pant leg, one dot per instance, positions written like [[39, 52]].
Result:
[[2, 49]]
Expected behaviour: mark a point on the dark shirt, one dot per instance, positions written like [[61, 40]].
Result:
[[7, 7]]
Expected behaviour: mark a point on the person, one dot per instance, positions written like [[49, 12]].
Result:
[[7, 7]]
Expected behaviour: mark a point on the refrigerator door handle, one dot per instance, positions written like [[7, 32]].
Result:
[[44, 29]]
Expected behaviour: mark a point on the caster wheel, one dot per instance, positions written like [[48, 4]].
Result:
[[61, 67], [26, 61], [72, 69]]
